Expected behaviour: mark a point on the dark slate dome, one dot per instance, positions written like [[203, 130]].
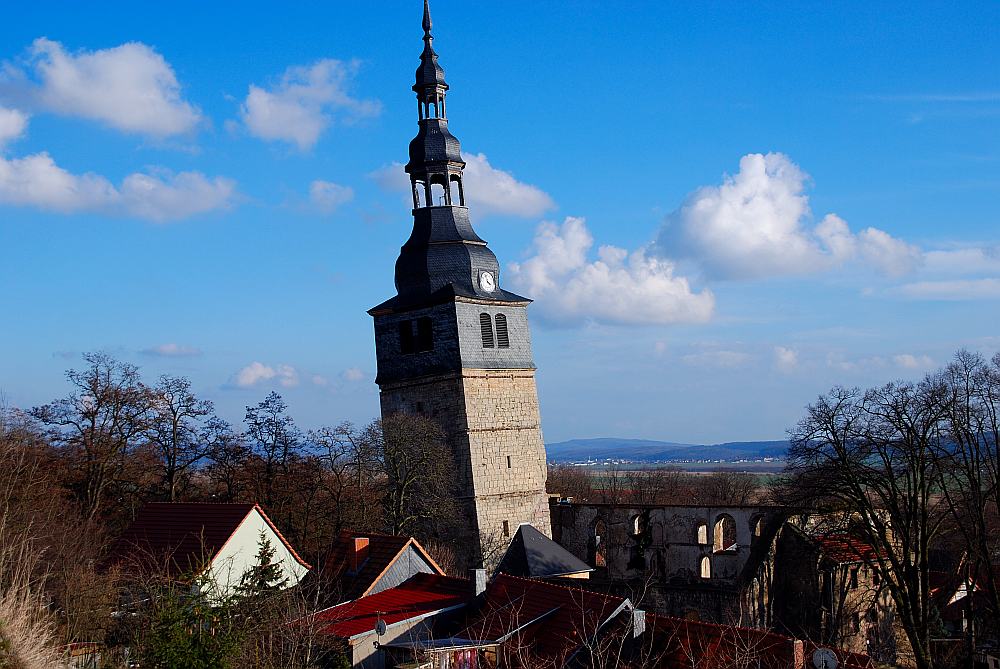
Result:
[[434, 144]]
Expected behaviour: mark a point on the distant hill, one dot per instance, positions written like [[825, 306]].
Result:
[[647, 450]]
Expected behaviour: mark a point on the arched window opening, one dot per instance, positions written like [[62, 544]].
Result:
[[725, 533], [455, 190], [486, 325], [417, 187], [757, 527], [438, 195], [706, 567], [702, 534], [425, 334], [639, 525], [600, 543], [503, 339]]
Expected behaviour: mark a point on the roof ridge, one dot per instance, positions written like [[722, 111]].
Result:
[[561, 587]]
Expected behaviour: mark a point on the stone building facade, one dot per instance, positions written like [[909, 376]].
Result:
[[702, 563], [827, 591], [454, 345]]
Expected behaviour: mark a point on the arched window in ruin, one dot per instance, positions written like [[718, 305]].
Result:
[[757, 527], [638, 524], [706, 567], [702, 533], [725, 533], [599, 541]]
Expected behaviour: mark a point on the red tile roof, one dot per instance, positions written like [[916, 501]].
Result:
[[552, 620], [843, 548], [418, 596], [183, 537], [677, 642]]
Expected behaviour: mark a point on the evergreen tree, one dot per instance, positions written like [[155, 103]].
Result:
[[265, 577]]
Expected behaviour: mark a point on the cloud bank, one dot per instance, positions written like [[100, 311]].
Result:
[[304, 102], [756, 224], [130, 87], [37, 181], [617, 287]]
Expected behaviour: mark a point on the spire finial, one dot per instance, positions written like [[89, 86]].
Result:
[[427, 17]]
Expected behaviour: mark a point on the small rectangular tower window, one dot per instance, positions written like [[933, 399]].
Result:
[[503, 339], [508, 462], [425, 334], [406, 336], [486, 325], [506, 528]]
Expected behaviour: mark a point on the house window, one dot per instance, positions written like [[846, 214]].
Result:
[[486, 325], [406, 343], [703, 534], [503, 339], [425, 334], [856, 622], [706, 567], [876, 577], [854, 578]]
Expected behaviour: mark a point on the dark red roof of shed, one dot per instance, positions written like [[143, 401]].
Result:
[[420, 595], [843, 548]]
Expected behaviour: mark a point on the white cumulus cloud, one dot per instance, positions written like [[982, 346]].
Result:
[[326, 196], [12, 125], [37, 181], [257, 373], [129, 87], [756, 224], [303, 102], [488, 190], [617, 287]]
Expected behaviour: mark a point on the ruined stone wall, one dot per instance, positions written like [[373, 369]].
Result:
[[656, 551]]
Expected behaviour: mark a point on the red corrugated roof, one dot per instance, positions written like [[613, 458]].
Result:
[[843, 548], [418, 596], [183, 537]]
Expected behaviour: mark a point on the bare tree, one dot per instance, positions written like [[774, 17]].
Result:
[[725, 487], [175, 430], [228, 458], [419, 470], [274, 437], [865, 459], [968, 458], [98, 423]]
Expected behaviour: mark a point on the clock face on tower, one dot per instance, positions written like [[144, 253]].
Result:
[[486, 282]]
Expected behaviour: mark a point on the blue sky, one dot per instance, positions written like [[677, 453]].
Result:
[[721, 209]]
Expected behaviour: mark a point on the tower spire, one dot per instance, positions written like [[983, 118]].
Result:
[[427, 20]]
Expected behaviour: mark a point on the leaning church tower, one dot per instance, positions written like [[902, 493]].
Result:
[[454, 346]]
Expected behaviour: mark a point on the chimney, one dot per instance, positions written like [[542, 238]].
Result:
[[638, 623], [359, 554], [478, 578]]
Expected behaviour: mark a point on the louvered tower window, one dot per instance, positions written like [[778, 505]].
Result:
[[503, 339], [486, 324]]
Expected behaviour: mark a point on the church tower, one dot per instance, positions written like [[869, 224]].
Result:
[[454, 346]]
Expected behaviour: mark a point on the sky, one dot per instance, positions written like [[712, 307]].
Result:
[[720, 209]]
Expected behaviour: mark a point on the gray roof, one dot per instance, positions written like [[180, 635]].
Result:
[[531, 554]]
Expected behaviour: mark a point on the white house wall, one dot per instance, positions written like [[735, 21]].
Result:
[[239, 555]]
